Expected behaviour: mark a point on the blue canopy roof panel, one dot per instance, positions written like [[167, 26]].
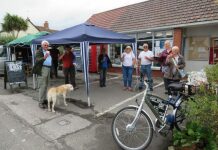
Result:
[[85, 32]]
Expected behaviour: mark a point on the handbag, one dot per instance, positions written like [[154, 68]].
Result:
[[164, 69], [182, 73]]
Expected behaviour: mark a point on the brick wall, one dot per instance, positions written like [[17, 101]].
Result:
[[177, 37]]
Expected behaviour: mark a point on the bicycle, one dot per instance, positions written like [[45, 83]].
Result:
[[132, 126]]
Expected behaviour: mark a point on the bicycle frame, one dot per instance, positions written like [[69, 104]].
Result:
[[140, 108], [162, 120]]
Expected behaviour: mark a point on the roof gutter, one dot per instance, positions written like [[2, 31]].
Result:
[[173, 26]]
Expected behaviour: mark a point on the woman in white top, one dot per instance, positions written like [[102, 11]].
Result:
[[128, 61], [145, 59]]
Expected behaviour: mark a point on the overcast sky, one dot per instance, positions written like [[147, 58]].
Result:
[[59, 13]]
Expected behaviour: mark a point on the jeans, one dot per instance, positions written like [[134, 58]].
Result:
[[103, 73], [127, 75], [146, 70], [70, 73]]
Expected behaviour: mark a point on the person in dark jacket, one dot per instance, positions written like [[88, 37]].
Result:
[[174, 63], [103, 64], [42, 69]]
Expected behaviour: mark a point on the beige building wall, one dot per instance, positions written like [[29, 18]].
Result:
[[31, 30]]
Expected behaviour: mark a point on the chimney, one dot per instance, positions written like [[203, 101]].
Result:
[[46, 25]]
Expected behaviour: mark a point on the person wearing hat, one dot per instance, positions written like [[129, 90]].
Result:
[[145, 59], [68, 67], [128, 61]]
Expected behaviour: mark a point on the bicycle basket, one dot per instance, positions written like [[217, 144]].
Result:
[[192, 89]]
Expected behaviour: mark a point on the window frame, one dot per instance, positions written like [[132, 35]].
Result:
[[153, 39]]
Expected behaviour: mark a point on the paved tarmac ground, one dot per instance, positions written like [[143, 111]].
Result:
[[17, 135], [74, 127]]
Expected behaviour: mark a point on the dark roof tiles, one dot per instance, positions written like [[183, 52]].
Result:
[[41, 28], [156, 13]]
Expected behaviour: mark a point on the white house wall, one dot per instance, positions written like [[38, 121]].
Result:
[[211, 31], [203, 31]]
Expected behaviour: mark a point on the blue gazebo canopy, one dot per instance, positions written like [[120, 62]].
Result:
[[85, 32]]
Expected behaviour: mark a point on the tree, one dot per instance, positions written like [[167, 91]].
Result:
[[13, 24], [6, 39]]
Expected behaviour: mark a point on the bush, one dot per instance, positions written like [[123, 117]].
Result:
[[212, 74], [202, 116], [204, 110], [202, 124], [195, 136]]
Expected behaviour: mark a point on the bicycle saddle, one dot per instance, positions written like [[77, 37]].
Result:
[[176, 86]]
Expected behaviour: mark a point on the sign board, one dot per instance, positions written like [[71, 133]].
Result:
[[79, 65], [14, 73]]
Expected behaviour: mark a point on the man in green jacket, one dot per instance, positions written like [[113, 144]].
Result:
[[42, 69]]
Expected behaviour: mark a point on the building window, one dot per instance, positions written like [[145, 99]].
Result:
[[115, 53], [144, 36], [163, 34], [159, 46], [198, 48], [155, 41]]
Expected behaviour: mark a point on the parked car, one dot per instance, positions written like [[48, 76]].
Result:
[[3, 58]]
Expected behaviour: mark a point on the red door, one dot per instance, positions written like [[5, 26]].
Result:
[[93, 56], [211, 56], [93, 59]]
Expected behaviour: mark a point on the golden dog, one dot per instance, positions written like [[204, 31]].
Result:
[[55, 91]]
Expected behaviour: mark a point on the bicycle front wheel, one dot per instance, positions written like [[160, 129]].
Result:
[[136, 138]]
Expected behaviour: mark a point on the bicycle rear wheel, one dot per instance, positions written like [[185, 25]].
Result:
[[138, 137], [180, 113]]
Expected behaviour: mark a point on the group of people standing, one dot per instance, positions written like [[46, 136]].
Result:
[[45, 63], [170, 59], [129, 60]]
